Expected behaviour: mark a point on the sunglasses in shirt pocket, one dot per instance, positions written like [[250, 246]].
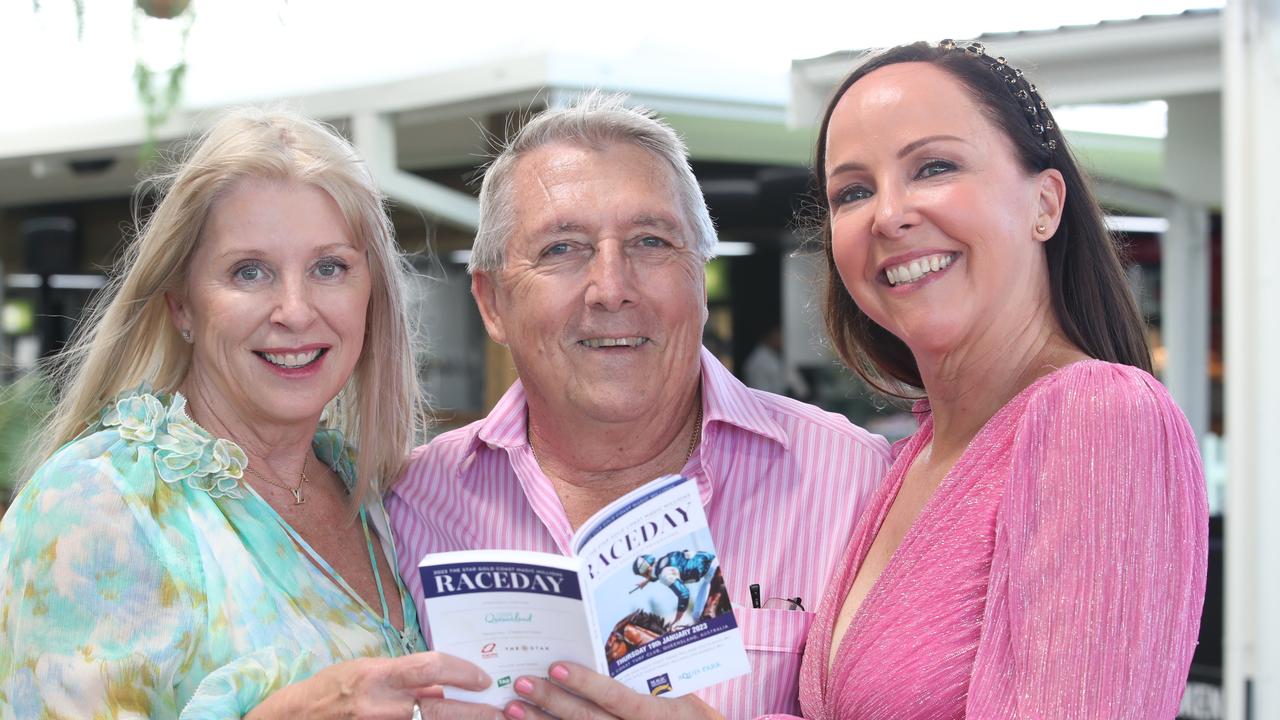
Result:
[[769, 630]]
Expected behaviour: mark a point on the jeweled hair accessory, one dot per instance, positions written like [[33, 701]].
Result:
[[1022, 91]]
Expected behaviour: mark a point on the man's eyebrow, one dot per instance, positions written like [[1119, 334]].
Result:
[[645, 220], [654, 221], [554, 227], [903, 152]]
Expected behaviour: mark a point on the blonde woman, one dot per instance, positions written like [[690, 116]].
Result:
[[194, 539]]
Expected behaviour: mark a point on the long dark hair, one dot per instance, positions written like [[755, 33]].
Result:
[[1090, 294]]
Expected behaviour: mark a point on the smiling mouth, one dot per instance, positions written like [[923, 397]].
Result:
[[910, 272], [292, 361], [614, 342]]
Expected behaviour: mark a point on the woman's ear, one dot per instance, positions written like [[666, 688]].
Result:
[[1051, 199], [178, 314]]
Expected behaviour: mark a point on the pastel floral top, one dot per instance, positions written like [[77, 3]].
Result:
[[140, 577]]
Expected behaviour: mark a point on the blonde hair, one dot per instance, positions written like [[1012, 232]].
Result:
[[127, 338]]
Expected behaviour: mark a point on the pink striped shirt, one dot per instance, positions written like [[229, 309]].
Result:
[[782, 482]]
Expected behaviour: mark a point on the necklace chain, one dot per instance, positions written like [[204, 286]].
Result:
[[697, 433], [296, 490]]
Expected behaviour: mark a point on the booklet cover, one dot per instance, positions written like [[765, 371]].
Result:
[[642, 600]]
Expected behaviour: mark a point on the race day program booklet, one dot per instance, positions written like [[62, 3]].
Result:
[[642, 599]]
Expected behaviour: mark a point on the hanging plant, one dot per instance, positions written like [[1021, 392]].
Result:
[[159, 86], [163, 9], [79, 6]]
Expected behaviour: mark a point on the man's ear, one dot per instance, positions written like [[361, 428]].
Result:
[[178, 314], [1049, 203], [485, 290]]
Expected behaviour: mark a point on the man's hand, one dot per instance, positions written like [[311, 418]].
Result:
[[577, 693]]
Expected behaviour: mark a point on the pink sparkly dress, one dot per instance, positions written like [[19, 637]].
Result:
[[1058, 571]]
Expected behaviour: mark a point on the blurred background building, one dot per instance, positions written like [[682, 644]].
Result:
[[1171, 113]]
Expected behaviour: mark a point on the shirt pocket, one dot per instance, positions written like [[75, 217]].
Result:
[[773, 630]]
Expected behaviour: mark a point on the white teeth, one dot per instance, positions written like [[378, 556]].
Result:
[[292, 360], [614, 342], [916, 269]]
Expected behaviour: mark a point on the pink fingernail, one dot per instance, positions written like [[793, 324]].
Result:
[[514, 711], [524, 686], [559, 672]]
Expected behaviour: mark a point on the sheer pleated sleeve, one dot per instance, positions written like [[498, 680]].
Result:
[[237, 687], [104, 609], [97, 602], [1099, 565]]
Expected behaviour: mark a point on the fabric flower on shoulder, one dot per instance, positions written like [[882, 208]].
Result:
[[138, 416], [332, 450], [186, 452], [179, 448], [221, 466]]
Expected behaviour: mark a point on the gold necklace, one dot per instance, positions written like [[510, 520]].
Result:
[[697, 433], [296, 490]]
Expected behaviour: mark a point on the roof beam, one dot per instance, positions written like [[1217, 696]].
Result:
[[374, 135], [1120, 61]]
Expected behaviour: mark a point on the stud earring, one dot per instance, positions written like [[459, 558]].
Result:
[[186, 335], [1039, 229]]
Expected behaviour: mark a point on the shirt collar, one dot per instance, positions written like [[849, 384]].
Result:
[[504, 427], [726, 400]]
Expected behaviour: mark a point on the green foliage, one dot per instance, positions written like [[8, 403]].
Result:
[[158, 103], [23, 405], [160, 90]]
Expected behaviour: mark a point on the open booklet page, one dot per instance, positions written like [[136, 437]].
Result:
[[510, 612], [643, 600], [659, 597]]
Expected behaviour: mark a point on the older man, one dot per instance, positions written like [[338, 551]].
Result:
[[588, 265]]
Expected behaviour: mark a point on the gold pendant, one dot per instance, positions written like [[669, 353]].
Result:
[[297, 495]]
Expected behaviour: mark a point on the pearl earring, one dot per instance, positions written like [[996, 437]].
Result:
[[1041, 228], [186, 335]]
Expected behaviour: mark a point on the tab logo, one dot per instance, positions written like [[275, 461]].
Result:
[[659, 685]]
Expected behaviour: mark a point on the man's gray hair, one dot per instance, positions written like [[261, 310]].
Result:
[[595, 121]]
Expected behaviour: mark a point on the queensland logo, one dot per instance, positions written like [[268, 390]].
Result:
[[659, 685], [490, 650], [508, 617]]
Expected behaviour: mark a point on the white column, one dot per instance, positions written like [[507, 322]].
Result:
[[1251, 107], [1184, 309]]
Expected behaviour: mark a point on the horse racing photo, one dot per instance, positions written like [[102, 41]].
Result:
[[669, 588]]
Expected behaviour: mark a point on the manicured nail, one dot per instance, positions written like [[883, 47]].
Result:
[[514, 711], [559, 672], [524, 686]]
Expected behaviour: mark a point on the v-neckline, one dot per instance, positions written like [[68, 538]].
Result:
[[888, 495], [333, 578]]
